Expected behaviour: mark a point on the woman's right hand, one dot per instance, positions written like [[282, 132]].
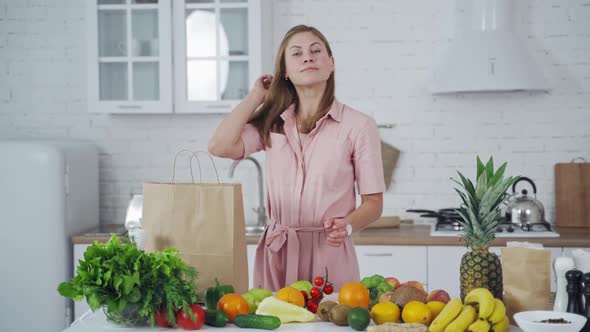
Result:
[[261, 86]]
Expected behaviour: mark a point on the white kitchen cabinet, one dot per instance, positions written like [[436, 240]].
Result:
[[129, 60], [568, 252], [444, 263], [443, 268], [80, 307], [218, 52], [251, 248], [184, 56], [405, 263]]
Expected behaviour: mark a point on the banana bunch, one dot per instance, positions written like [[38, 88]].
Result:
[[481, 312]]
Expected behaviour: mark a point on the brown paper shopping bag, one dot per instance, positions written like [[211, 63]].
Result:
[[205, 222], [527, 279]]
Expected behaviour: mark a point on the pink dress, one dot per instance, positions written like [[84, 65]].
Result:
[[306, 186]]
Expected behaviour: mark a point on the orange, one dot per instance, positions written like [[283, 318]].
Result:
[[291, 295], [354, 294], [435, 307], [232, 304], [385, 312], [416, 312]]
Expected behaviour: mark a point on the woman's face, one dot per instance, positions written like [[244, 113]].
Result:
[[307, 61]]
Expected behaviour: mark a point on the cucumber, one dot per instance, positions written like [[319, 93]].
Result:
[[252, 321], [216, 318]]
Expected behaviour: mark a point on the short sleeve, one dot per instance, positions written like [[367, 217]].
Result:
[[251, 139], [368, 165]]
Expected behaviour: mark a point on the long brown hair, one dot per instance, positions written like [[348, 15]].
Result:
[[281, 93]]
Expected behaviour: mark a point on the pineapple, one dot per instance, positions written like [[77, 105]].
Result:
[[480, 211]]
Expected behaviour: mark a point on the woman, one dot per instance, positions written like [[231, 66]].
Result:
[[316, 149]]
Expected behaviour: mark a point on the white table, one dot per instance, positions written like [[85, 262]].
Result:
[[97, 322]]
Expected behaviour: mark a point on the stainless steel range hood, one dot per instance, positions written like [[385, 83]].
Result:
[[487, 54]]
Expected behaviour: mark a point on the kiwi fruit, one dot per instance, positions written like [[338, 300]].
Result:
[[339, 314], [324, 310]]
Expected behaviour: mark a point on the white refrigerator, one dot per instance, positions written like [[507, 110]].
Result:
[[48, 192]]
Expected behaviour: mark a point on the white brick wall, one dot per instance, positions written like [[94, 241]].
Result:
[[384, 52]]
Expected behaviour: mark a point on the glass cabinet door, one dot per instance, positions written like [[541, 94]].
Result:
[[129, 57], [112, 50], [212, 60], [145, 51], [234, 70]]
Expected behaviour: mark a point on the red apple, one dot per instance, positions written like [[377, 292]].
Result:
[[392, 281], [414, 283], [438, 295]]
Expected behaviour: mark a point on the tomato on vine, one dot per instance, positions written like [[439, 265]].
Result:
[[318, 281], [314, 292], [312, 306]]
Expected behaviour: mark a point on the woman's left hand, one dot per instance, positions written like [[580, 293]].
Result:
[[336, 229]]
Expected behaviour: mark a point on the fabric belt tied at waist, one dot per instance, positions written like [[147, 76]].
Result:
[[276, 237]]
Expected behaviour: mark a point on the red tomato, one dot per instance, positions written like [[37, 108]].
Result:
[[314, 292], [304, 293], [328, 289], [185, 322], [312, 306], [318, 281], [161, 319]]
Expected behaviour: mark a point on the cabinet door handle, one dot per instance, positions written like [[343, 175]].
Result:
[[384, 254], [129, 106]]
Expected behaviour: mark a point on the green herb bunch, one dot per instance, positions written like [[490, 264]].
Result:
[[130, 284]]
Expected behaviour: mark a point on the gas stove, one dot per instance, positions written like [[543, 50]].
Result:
[[447, 224]]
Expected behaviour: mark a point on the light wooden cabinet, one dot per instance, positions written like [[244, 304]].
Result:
[[183, 56], [405, 263]]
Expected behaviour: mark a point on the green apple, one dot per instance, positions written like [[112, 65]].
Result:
[[302, 285], [254, 296]]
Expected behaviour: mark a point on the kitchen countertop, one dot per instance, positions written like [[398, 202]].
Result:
[[96, 322], [409, 235], [419, 235]]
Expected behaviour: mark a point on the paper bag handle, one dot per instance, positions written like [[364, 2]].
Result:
[[194, 154], [578, 158]]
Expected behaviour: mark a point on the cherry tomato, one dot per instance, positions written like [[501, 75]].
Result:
[[328, 289], [312, 306], [161, 318], [314, 292], [318, 281], [185, 322]]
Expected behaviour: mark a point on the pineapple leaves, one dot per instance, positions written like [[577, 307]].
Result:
[[499, 174], [490, 169], [480, 208], [480, 168], [481, 186]]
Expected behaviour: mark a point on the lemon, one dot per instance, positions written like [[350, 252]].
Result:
[[416, 312], [435, 307], [385, 312]]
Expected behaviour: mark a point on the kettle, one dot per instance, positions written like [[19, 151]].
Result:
[[525, 210]]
